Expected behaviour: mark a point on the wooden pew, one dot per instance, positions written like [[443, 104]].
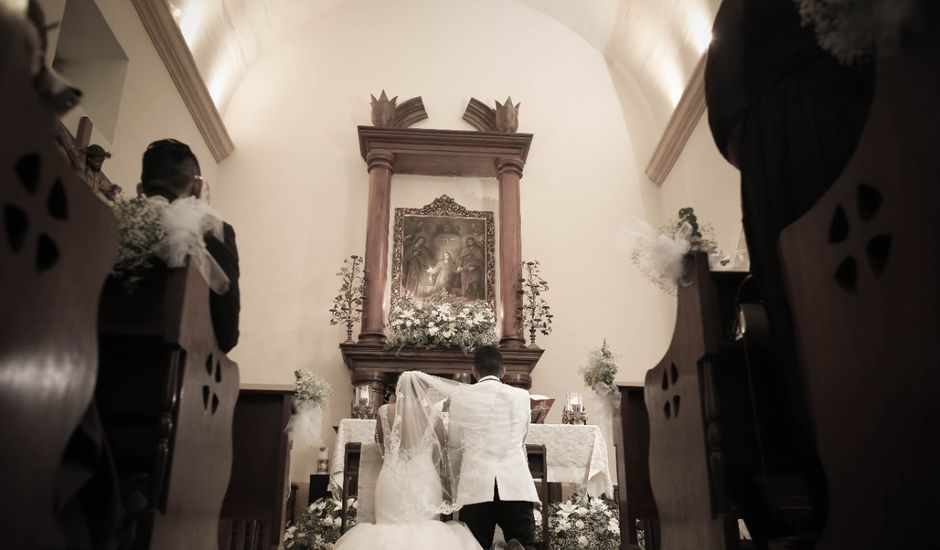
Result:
[[634, 494], [686, 460], [861, 273], [722, 444], [57, 244], [167, 397], [253, 513]]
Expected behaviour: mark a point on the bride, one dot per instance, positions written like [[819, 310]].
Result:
[[414, 484]]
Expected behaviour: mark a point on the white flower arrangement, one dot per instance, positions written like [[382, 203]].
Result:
[[854, 29], [601, 368], [581, 522], [311, 396], [310, 387], [659, 252], [153, 231], [437, 323], [140, 232], [319, 525]]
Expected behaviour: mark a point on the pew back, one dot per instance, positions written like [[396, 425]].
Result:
[[861, 273], [167, 397], [686, 464], [57, 243]]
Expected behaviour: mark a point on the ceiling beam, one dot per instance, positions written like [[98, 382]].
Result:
[[178, 59], [683, 120]]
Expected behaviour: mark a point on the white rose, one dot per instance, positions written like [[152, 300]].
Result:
[[582, 541], [582, 511], [328, 521], [608, 513], [579, 524]]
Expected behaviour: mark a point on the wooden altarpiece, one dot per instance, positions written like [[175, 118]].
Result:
[[494, 151]]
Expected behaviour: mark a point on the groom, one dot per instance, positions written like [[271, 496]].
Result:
[[488, 425]]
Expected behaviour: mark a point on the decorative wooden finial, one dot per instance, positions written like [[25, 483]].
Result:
[[507, 117], [504, 119], [383, 110], [386, 114]]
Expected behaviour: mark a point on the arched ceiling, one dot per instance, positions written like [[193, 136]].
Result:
[[651, 46]]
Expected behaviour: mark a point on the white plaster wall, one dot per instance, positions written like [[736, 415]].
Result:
[[296, 188], [150, 105]]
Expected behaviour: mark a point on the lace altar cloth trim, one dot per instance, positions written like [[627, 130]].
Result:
[[576, 454]]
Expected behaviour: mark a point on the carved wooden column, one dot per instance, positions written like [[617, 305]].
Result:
[[508, 173], [381, 165]]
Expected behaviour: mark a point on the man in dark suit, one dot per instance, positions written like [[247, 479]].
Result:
[[171, 170]]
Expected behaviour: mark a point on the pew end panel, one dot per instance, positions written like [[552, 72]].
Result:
[[860, 270], [168, 396], [57, 245]]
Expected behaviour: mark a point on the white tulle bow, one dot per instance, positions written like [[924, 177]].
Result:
[[186, 221], [304, 425]]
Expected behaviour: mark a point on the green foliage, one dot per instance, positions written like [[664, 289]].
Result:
[[534, 313], [347, 305], [601, 368]]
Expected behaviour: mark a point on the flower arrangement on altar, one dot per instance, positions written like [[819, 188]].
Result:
[[435, 322], [152, 230], [660, 251], [581, 522], [311, 396], [319, 525], [854, 29]]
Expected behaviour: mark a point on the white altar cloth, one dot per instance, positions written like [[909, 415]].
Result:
[[576, 454]]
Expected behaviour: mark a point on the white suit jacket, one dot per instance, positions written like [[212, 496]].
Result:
[[488, 425]]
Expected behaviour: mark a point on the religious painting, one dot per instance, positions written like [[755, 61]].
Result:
[[444, 248]]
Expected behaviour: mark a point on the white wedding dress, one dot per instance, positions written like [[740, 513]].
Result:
[[407, 493]]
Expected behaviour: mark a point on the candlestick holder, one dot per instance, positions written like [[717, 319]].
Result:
[[574, 413], [362, 406], [323, 463]]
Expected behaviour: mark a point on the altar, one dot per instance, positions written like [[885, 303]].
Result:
[[575, 454]]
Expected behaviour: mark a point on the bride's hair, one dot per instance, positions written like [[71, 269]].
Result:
[[487, 361]]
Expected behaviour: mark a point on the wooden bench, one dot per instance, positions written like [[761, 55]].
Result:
[[861, 274], [57, 245], [167, 396], [721, 440], [253, 513]]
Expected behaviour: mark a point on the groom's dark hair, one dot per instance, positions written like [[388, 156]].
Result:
[[487, 361]]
